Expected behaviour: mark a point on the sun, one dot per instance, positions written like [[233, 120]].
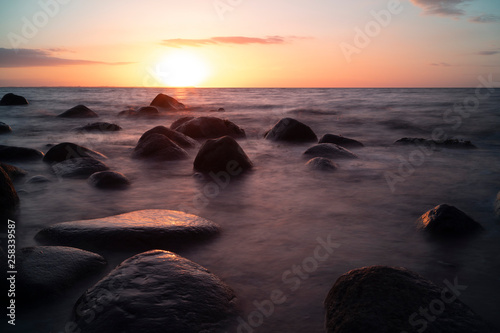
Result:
[[181, 69]]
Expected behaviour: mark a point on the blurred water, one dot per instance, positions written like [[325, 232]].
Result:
[[273, 216]]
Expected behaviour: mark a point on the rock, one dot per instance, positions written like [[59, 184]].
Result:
[[210, 128], [99, 127], [497, 205], [182, 140], [4, 128], [223, 154], [147, 111], [218, 110], [38, 180], [143, 229], [156, 292], [450, 143], [78, 167], [11, 99], [446, 220], [127, 113], [48, 271], [67, 150], [79, 111], [19, 154], [291, 130], [12, 171], [329, 150], [8, 195], [179, 122], [159, 147], [381, 299], [109, 180], [341, 141], [321, 164], [167, 102]]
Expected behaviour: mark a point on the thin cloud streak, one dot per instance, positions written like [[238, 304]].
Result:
[[485, 18], [235, 40], [441, 64], [441, 7]]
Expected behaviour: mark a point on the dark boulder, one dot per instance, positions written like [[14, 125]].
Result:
[[382, 299], [446, 220], [11, 99], [321, 164], [81, 167], [109, 180], [12, 171], [159, 147], [182, 140], [329, 150], [450, 143], [210, 128], [46, 272], [4, 128], [99, 127], [291, 130], [143, 230], [341, 141], [179, 122], [223, 154], [19, 154], [8, 195], [167, 102], [79, 111], [156, 292], [147, 111], [67, 150]]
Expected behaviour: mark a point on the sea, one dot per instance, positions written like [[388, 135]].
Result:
[[275, 217]]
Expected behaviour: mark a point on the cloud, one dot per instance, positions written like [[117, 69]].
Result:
[[441, 7], [487, 53], [441, 64], [239, 40], [485, 18], [39, 58]]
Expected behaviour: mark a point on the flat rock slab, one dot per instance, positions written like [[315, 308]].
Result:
[[329, 150], [449, 143], [48, 271], [143, 229], [156, 292]]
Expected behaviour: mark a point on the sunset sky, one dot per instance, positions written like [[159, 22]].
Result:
[[249, 43]]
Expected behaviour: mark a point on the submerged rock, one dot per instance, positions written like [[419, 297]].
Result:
[[159, 147], [167, 102], [67, 150], [381, 299], [143, 229], [223, 154], [450, 143], [12, 171], [291, 130], [321, 164], [9, 200], [446, 220], [182, 140], [12, 99], [38, 180], [99, 127], [48, 271], [147, 111], [19, 154], [81, 167], [156, 292], [341, 141], [497, 205], [127, 113], [4, 128], [79, 111], [329, 150], [210, 128], [179, 122], [109, 180]]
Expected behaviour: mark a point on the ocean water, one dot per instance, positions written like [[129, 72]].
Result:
[[276, 216]]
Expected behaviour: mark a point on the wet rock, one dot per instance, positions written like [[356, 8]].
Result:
[[218, 110], [182, 140], [81, 167], [143, 229], [156, 292], [179, 122], [9, 200], [19, 154], [159, 147], [450, 143], [79, 111], [48, 271], [497, 205], [321, 164], [223, 154], [38, 180], [446, 220], [147, 111], [210, 128], [291, 130], [12, 171], [99, 127], [329, 150], [167, 102], [127, 113], [67, 150], [109, 180], [341, 141], [382, 299], [12, 99], [4, 128]]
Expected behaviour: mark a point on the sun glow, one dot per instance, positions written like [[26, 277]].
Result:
[[181, 69]]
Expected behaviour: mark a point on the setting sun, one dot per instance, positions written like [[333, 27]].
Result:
[[181, 69]]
